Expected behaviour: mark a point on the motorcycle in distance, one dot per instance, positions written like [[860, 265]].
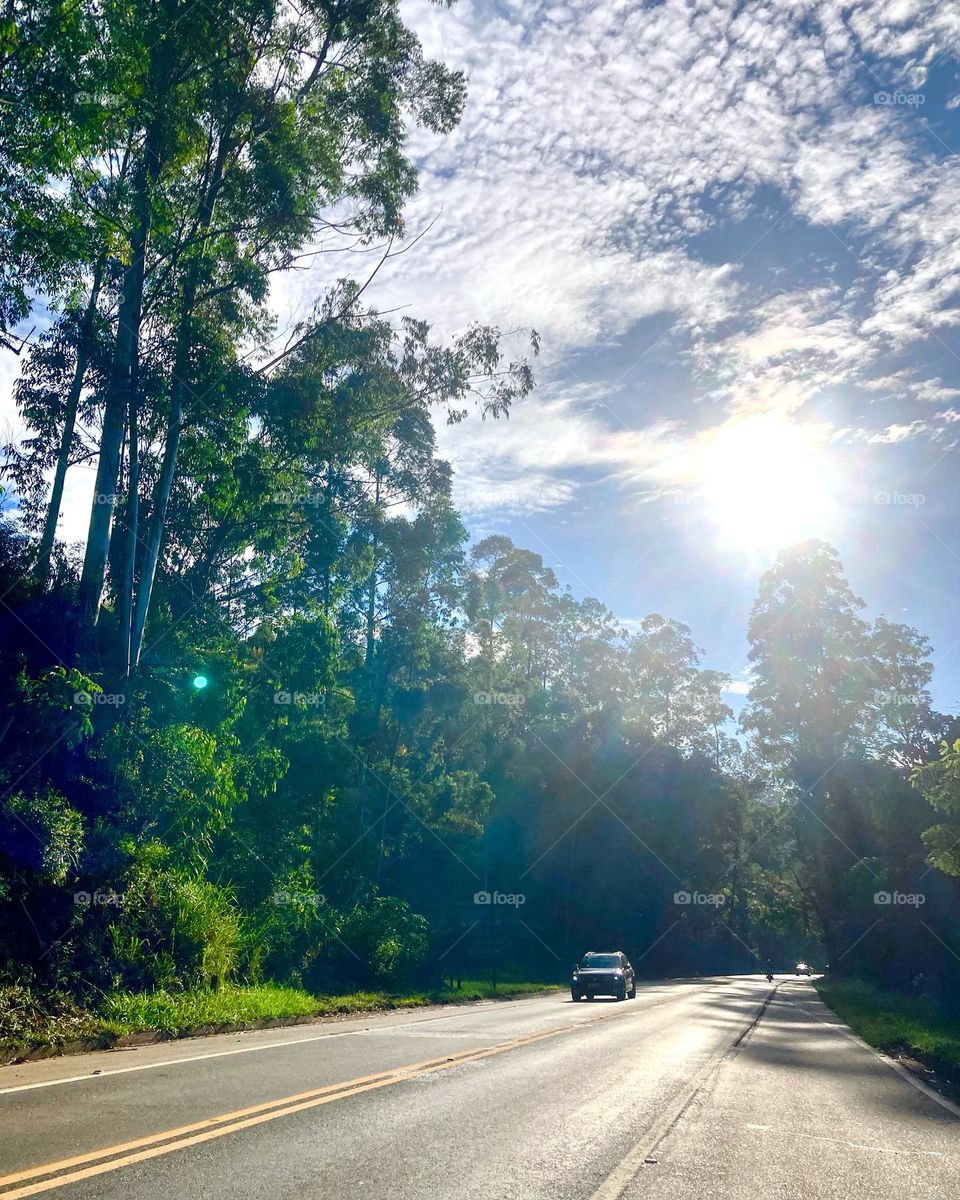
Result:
[[769, 977]]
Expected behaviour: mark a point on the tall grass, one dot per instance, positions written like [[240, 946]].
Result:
[[177, 1013]]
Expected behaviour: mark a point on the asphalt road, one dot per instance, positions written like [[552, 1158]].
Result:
[[723, 1087]]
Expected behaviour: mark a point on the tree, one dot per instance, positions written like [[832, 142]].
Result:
[[839, 710], [905, 727], [50, 70], [228, 177], [939, 781], [676, 700], [809, 649]]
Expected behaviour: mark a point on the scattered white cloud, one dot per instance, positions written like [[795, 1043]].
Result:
[[606, 148], [897, 433], [603, 141], [527, 464]]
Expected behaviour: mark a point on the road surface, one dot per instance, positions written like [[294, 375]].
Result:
[[725, 1087]]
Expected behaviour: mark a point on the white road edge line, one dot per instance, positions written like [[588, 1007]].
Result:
[[887, 1061], [459, 1011], [173, 1062]]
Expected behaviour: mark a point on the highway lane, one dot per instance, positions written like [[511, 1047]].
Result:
[[719, 1087]]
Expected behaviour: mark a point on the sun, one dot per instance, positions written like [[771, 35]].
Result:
[[766, 483]]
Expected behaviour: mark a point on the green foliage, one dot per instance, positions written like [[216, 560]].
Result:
[[178, 1012], [841, 712], [388, 939], [939, 781], [392, 722], [57, 828], [895, 1023], [28, 1016], [808, 649]]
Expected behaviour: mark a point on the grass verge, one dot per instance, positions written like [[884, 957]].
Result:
[[896, 1024], [28, 1025], [172, 1012]]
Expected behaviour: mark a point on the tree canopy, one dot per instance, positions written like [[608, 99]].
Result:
[[278, 718]]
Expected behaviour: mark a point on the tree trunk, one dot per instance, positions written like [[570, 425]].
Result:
[[157, 523], [120, 401], [115, 412], [121, 395], [178, 387], [372, 584], [328, 509], [49, 534], [129, 544]]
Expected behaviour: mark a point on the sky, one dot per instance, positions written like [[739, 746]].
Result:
[[736, 227]]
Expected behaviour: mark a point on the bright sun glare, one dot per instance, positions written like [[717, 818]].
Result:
[[766, 484]]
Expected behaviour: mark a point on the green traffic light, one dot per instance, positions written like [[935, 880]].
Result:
[[200, 681]]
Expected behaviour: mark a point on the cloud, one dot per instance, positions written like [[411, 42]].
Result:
[[607, 151], [600, 145], [857, 168], [897, 433], [527, 464]]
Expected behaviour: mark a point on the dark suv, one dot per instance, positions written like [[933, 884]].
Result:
[[603, 975]]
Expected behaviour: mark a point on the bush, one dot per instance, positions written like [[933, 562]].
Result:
[[387, 940], [175, 930]]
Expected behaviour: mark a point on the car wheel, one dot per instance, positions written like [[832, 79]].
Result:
[[575, 996], [632, 994]]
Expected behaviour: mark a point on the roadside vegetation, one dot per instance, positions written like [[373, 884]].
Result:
[[897, 1024], [279, 728], [27, 1022]]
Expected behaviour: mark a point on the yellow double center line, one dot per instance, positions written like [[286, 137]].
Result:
[[48, 1176], [111, 1158]]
